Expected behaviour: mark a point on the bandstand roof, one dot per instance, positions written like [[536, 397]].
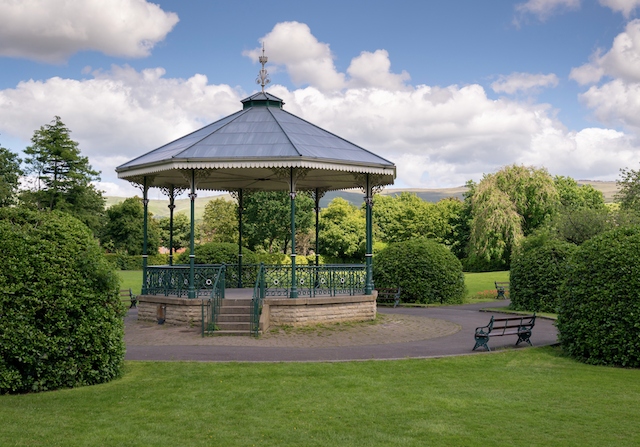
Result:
[[255, 149]]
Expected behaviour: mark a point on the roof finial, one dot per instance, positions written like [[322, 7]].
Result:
[[263, 76]]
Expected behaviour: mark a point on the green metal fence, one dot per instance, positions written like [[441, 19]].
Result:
[[211, 307], [322, 280], [174, 279]]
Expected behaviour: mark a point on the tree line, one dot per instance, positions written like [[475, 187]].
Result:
[[481, 230]]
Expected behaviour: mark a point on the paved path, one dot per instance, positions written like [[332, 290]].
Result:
[[403, 332]]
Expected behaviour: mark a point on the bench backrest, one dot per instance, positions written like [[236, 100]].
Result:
[[525, 322]]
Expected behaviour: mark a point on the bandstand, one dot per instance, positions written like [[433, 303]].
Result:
[[259, 148]]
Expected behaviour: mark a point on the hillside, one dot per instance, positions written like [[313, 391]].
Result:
[[159, 207]]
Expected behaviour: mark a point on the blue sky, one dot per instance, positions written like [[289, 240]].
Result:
[[447, 90]]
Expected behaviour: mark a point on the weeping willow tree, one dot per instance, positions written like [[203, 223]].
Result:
[[507, 206]]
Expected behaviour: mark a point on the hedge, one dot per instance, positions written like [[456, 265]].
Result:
[[539, 266], [61, 320], [426, 271], [599, 314]]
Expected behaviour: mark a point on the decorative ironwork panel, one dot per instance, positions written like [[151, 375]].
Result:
[[174, 280], [277, 279]]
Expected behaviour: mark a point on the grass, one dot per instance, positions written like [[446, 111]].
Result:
[[481, 287], [533, 397], [131, 279]]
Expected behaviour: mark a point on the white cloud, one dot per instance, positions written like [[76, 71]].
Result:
[[310, 62], [543, 9], [623, 6], [117, 114], [307, 61], [53, 30], [437, 136], [621, 61], [373, 70], [525, 82], [617, 101]]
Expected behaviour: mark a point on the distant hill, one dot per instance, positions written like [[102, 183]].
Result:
[[159, 207]]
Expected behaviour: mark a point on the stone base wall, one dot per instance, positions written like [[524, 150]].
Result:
[[177, 311], [309, 311]]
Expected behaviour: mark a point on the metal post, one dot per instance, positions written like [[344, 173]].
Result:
[[145, 235], [172, 206], [192, 255], [240, 211], [292, 194], [368, 289], [317, 226]]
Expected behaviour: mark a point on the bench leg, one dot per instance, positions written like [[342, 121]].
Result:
[[524, 336], [481, 341]]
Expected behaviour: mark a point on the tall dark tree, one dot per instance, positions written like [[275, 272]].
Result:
[[181, 231], [629, 194], [62, 175], [10, 173], [123, 229], [267, 219]]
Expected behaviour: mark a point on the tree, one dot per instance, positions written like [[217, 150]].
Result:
[[267, 218], [402, 217], [10, 173], [342, 230], [506, 206], [62, 176], [181, 231], [575, 196], [124, 228], [629, 193], [220, 221]]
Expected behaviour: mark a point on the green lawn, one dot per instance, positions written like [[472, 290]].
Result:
[[131, 279], [481, 287], [533, 397]]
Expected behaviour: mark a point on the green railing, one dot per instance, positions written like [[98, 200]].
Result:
[[249, 275], [322, 280], [256, 301], [211, 307], [174, 279]]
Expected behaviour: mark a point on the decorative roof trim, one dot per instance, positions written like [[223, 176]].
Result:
[[257, 164]]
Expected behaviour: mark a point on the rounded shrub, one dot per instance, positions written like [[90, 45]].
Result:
[[426, 271], [599, 313], [61, 320], [218, 253], [538, 268]]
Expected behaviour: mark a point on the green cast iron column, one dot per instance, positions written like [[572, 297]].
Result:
[[240, 210], [369, 255], [192, 255], [145, 203], [292, 194], [172, 206], [317, 225]]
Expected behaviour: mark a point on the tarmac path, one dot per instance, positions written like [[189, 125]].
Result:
[[404, 332]]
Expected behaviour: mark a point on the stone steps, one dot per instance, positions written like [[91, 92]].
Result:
[[234, 317]]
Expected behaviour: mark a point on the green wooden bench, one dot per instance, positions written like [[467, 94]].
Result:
[[502, 287], [388, 295], [498, 327], [127, 295]]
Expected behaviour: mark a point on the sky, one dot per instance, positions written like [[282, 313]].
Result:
[[447, 90]]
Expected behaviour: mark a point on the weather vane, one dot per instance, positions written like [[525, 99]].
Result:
[[263, 77]]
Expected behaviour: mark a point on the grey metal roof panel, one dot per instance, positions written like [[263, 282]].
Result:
[[264, 132]]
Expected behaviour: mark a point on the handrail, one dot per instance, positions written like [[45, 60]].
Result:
[[212, 305], [256, 301]]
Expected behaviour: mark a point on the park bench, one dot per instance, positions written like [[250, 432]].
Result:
[[502, 287], [127, 294], [389, 295], [498, 327]]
